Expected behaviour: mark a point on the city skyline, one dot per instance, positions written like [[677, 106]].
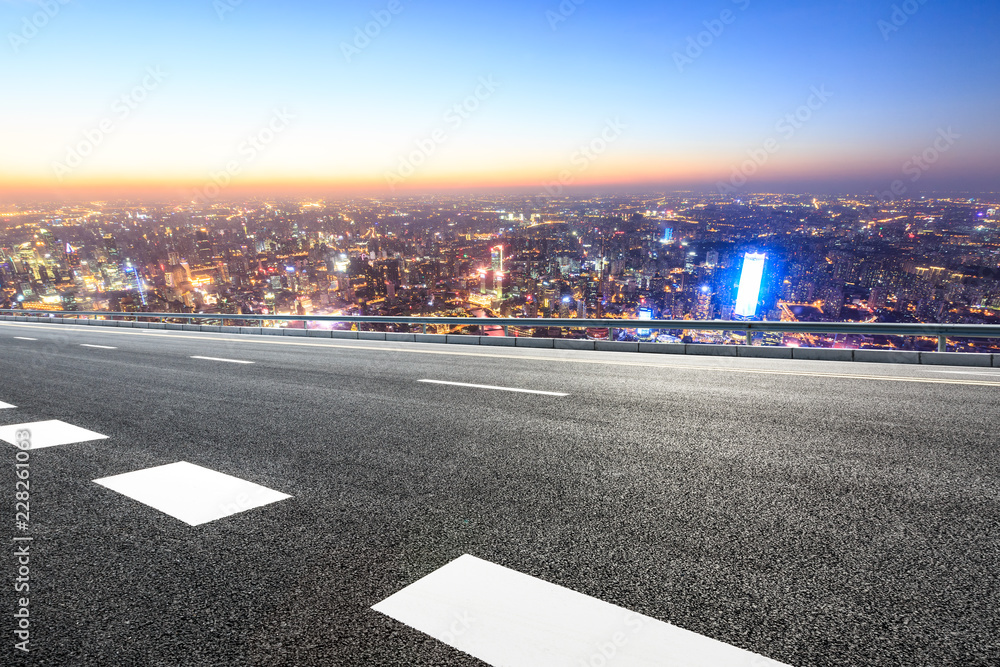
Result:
[[576, 260], [224, 100]]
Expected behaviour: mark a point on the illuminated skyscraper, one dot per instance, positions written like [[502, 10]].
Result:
[[704, 309], [498, 274], [750, 280]]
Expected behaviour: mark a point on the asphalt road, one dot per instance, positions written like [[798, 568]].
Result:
[[818, 513]]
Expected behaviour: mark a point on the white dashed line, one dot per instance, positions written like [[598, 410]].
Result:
[[486, 386], [6, 406], [23, 338], [193, 494], [228, 361], [504, 617], [50, 433], [99, 347]]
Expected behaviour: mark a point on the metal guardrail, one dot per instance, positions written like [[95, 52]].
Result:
[[941, 331]]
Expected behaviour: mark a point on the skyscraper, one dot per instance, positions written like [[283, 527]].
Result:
[[749, 292]]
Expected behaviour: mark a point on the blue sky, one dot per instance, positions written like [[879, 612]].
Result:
[[562, 72]]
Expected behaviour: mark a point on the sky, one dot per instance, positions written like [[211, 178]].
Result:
[[218, 98]]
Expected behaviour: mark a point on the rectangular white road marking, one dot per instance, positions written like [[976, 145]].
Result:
[[193, 494], [228, 361], [24, 338], [49, 434], [99, 347], [995, 374], [486, 386], [509, 619], [5, 406]]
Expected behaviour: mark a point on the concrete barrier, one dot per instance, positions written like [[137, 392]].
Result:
[[398, 337], [191, 327], [458, 339], [663, 348], [524, 341], [300, 333], [821, 354], [956, 359], [430, 338], [319, 333], [253, 331], [574, 344], [615, 346], [344, 335], [371, 335], [498, 341], [887, 356], [763, 352]]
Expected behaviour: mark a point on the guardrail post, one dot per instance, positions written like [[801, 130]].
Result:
[[423, 328], [942, 343], [506, 331]]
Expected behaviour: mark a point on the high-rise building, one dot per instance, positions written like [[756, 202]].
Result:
[[204, 244], [749, 292]]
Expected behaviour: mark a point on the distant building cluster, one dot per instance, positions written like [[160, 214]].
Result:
[[674, 257]]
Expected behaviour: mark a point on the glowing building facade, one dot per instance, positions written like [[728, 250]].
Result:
[[749, 291]]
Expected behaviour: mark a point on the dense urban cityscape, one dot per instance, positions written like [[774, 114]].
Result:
[[677, 256]]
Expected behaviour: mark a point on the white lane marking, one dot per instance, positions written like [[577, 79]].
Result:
[[49, 434], [193, 494], [486, 386], [99, 347], [995, 374], [228, 361], [6, 406], [393, 347], [23, 338], [509, 619]]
